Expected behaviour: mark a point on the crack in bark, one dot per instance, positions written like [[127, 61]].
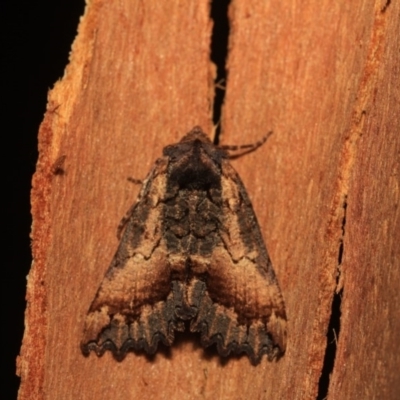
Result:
[[334, 322], [384, 8], [219, 52]]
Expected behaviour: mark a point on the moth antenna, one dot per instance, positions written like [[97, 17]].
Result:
[[244, 148]]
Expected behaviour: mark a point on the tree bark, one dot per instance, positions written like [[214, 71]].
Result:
[[324, 76]]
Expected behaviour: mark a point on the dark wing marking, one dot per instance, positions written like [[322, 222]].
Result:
[[242, 308], [134, 302]]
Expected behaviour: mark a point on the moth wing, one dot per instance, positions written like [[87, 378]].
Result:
[[242, 308], [135, 291]]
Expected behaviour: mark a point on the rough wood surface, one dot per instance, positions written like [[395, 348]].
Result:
[[325, 77]]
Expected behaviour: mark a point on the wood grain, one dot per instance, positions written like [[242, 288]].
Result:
[[325, 77]]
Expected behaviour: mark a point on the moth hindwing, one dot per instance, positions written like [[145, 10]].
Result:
[[191, 251]]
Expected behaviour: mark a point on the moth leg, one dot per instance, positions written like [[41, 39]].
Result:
[[135, 181], [244, 148], [214, 130], [220, 84]]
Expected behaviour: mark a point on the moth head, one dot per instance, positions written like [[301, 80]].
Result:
[[194, 162], [196, 134]]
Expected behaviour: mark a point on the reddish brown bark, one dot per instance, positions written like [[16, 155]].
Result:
[[325, 77]]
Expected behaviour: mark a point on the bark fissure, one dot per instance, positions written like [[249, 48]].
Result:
[[219, 52], [334, 322]]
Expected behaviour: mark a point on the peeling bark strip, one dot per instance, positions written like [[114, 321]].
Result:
[[191, 251]]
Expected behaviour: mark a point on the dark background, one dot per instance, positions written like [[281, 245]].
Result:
[[36, 40]]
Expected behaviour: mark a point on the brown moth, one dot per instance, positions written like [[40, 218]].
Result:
[[191, 251]]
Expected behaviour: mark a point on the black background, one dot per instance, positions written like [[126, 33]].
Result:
[[36, 40]]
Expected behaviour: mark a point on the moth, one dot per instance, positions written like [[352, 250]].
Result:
[[191, 254]]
